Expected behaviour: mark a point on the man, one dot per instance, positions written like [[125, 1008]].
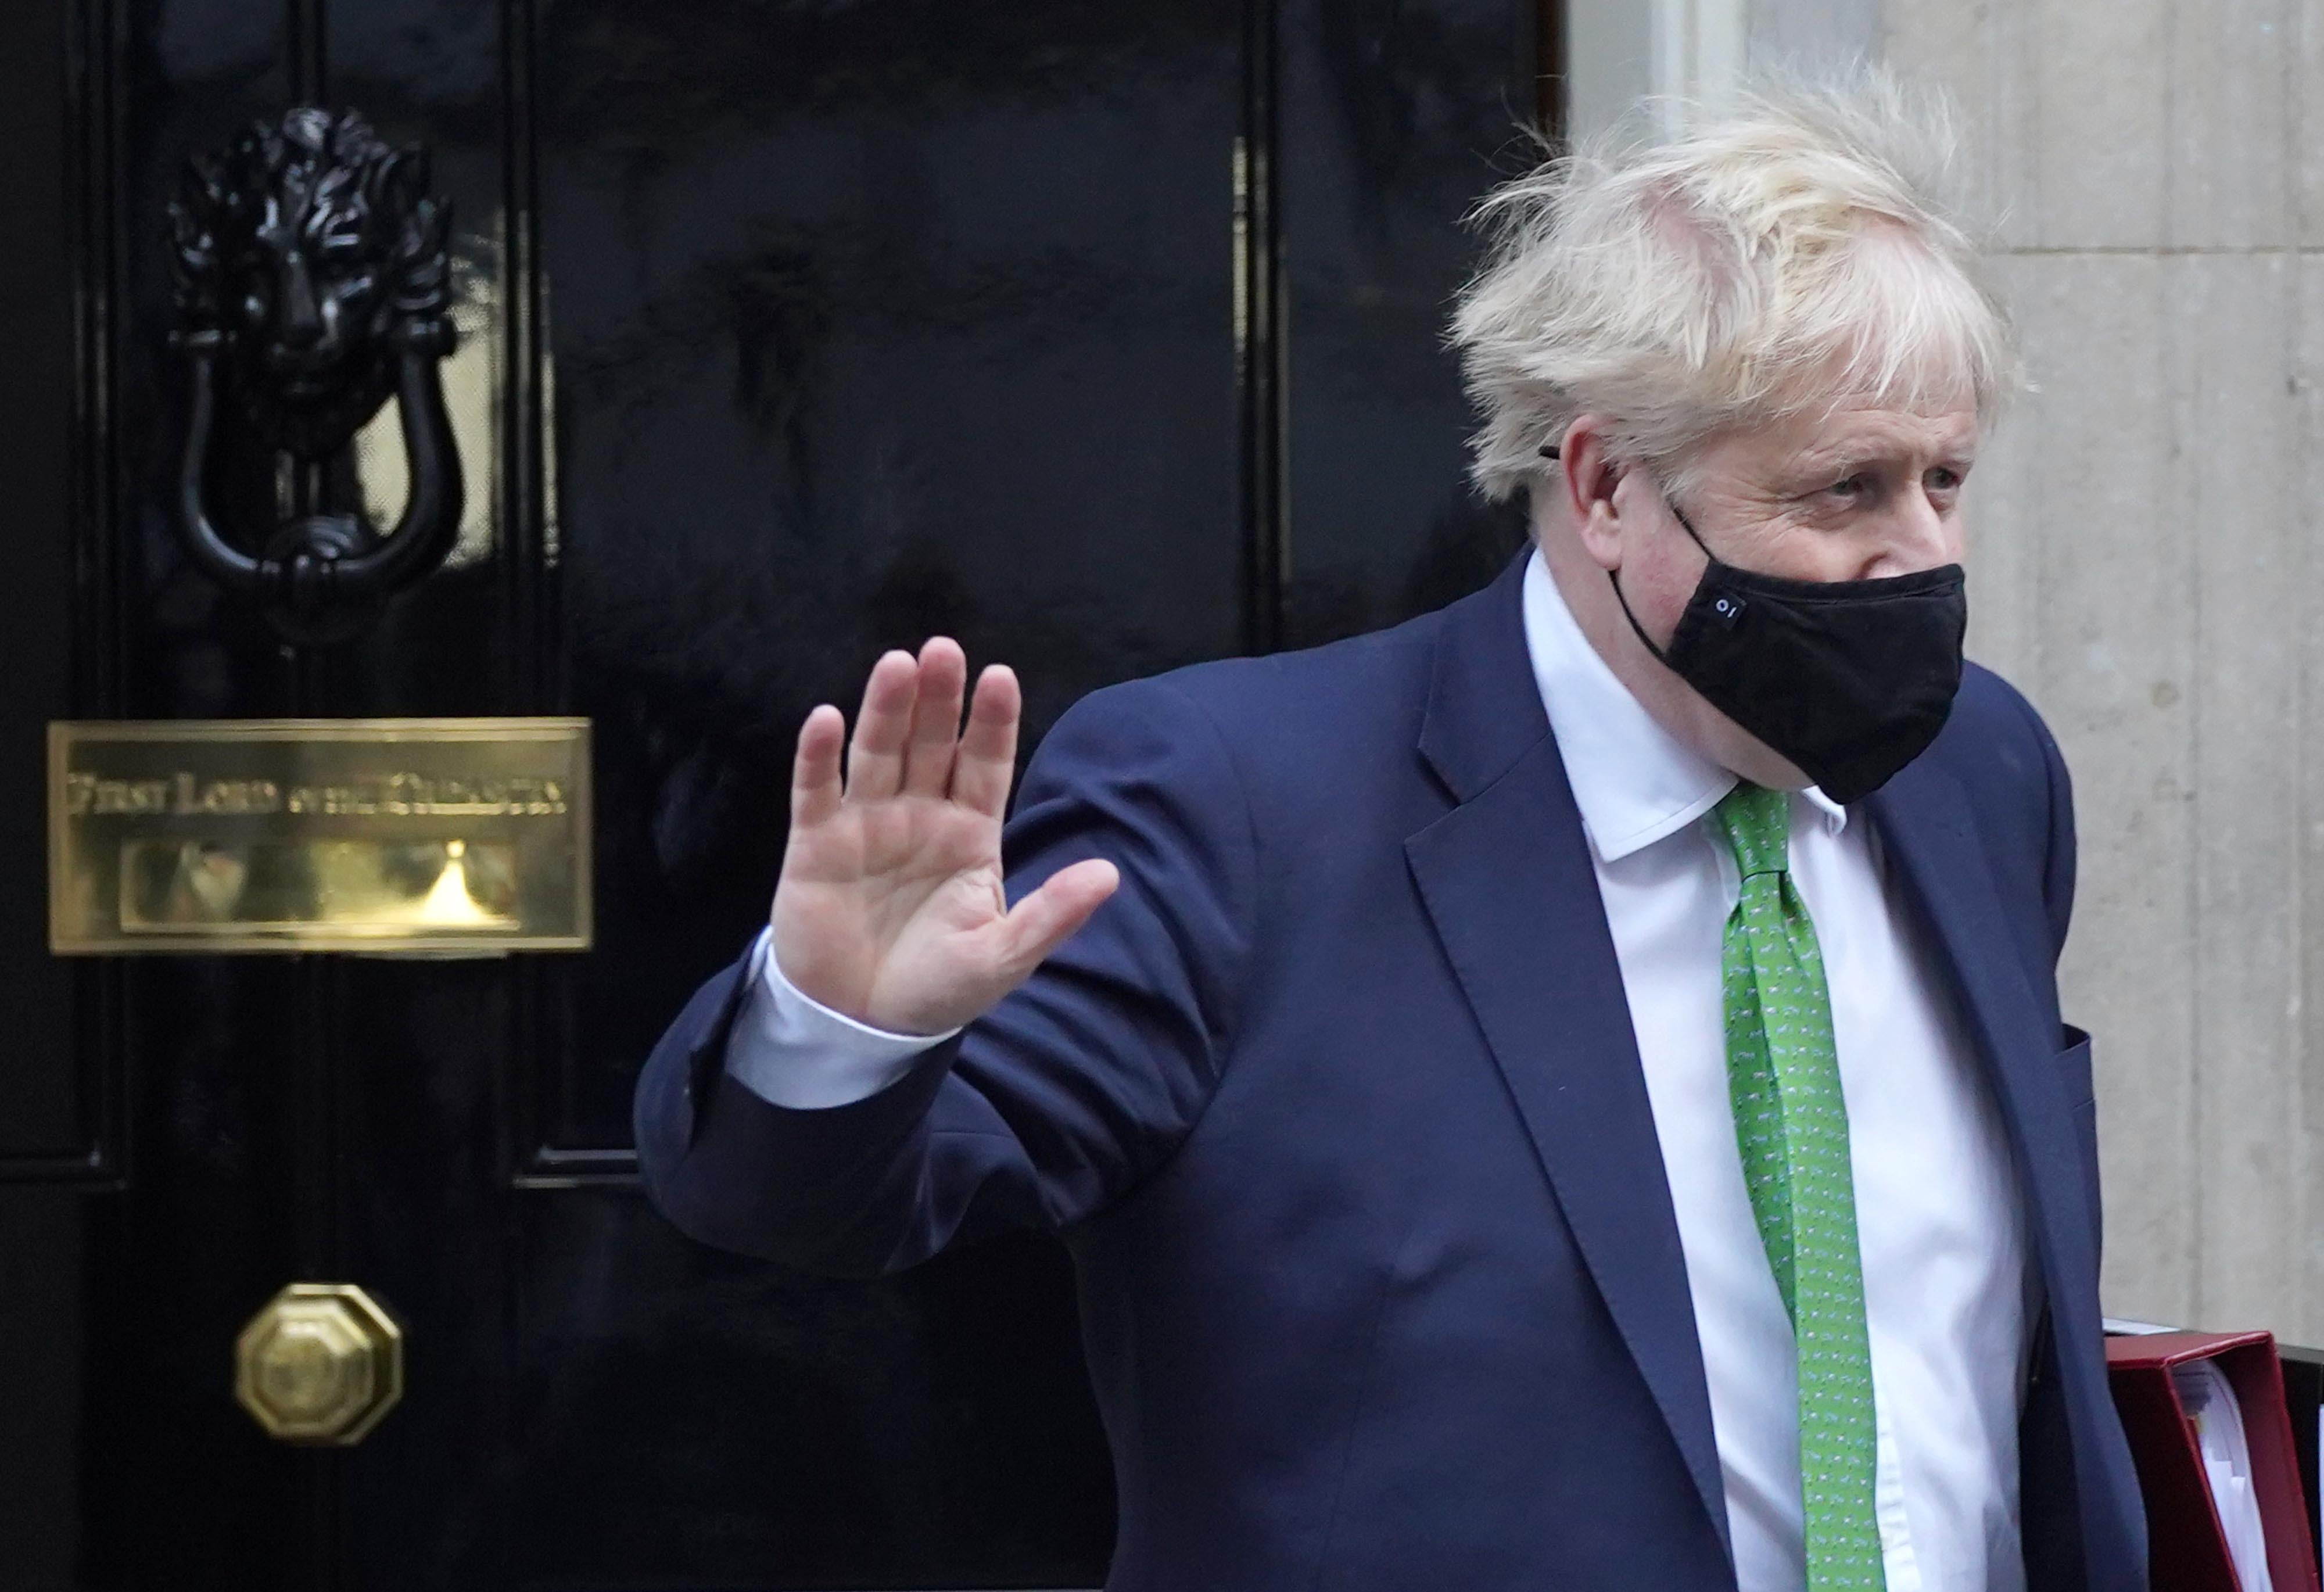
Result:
[[1568, 1093]]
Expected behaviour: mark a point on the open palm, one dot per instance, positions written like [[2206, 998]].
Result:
[[890, 907]]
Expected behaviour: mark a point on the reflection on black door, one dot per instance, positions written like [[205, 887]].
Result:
[[1104, 337]]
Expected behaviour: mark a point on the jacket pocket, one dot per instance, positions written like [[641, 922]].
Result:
[[2074, 1061]]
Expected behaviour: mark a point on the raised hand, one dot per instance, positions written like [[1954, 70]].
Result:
[[890, 907]]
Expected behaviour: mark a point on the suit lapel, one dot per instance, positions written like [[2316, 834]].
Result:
[[1927, 826], [1508, 880]]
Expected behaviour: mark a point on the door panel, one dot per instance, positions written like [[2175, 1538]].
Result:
[[1393, 118], [931, 316], [1103, 337]]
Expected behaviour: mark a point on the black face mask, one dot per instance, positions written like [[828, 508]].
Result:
[[1851, 680]]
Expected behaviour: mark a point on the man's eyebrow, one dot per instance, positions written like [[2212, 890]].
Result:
[[1819, 459], [1841, 459]]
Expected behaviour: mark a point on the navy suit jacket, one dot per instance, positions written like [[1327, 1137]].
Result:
[[1338, 1106]]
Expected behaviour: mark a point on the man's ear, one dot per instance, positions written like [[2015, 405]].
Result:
[[1588, 480]]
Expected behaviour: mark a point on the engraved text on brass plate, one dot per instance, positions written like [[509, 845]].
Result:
[[448, 835]]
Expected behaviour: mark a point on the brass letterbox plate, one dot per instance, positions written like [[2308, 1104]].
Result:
[[449, 836]]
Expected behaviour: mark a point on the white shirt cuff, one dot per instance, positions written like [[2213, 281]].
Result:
[[791, 1050]]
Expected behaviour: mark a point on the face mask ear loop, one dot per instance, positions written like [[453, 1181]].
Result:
[[1680, 515], [1643, 640], [1550, 451], [1687, 526]]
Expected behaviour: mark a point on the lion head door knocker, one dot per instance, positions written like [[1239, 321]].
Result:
[[312, 283]]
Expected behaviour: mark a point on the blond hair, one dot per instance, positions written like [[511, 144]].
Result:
[[1801, 248]]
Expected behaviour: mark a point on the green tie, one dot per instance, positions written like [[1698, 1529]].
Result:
[[1791, 1125]]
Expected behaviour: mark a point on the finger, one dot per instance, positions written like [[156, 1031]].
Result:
[[815, 770], [936, 718], [987, 762], [1044, 920], [875, 759]]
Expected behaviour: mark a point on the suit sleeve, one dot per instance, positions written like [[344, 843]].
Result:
[[1054, 1103], [2058, 869]]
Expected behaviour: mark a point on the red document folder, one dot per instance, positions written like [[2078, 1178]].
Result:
[[2187, 1547]]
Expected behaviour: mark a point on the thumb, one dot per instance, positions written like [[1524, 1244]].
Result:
[[1047, 919]]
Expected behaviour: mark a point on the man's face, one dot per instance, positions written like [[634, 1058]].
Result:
[[1856, 492]]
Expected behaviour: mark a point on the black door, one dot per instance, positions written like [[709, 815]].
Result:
[[1102, 336]]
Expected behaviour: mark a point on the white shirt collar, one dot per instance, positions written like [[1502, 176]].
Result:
[[1632, 780]]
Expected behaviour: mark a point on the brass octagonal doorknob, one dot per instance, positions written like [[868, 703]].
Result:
[[322, 1364]]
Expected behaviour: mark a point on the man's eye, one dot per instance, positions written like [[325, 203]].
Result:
[[1858, 485], [1944, 479]]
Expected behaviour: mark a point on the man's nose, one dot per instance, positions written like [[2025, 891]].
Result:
[[1920, 537]]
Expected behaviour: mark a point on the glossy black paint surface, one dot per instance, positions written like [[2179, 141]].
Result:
[[1105, 338]]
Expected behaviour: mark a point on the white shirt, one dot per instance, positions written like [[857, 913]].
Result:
[[1939, 1217]]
